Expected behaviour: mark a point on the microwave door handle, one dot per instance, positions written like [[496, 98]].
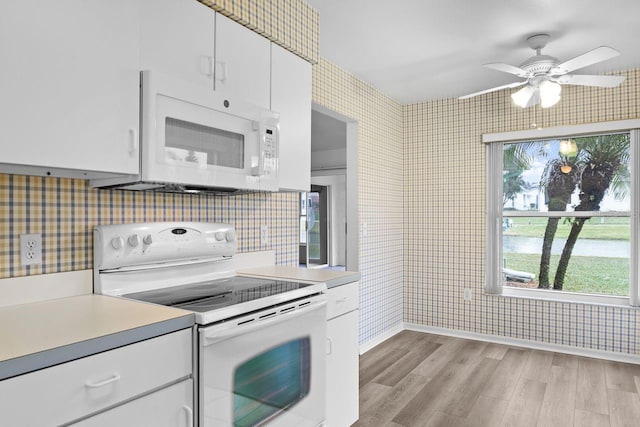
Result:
[[256, 169], [211, 335], [220, 71]]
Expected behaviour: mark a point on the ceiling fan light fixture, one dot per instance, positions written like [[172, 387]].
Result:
[[549, 93], [522, 97]]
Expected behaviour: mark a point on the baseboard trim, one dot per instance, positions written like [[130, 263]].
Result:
[[558, 348], [381, 338]]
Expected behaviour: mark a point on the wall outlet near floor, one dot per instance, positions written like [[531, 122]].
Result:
[[30, 249], [264, 235], [467, 294]]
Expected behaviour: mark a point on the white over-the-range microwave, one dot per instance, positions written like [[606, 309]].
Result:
[[192, 140]]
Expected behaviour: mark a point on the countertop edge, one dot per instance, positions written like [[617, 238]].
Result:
[[292, 274], [342, 280], [67, 353]]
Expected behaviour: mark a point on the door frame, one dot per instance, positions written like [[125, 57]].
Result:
[[353, 217]]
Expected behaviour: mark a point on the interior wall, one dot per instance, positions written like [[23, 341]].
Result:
[[380, 166], [329, 159], [444, 198]]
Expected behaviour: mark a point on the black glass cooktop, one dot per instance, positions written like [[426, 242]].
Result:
[[211, 295]]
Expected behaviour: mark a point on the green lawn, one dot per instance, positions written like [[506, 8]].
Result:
[[595, 228], [598, 275]]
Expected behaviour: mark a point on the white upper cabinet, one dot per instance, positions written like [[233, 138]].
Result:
[[177, 39], [291, 97], [69, 87], [242, 62]]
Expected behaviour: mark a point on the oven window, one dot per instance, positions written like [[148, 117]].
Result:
[[271, 382], [192, 144]]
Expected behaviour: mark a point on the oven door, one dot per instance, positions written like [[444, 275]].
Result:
[[267, 368]]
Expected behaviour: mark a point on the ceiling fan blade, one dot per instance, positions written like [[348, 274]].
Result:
[[590, 80], [506, 68], [598, 54], [493, 89]]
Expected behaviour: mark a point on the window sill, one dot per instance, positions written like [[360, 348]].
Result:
[[572, 297]]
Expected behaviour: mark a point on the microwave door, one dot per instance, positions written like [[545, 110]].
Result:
[[198, 146]]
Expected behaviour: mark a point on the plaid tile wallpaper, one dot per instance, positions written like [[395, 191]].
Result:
[[380, 175], [292, 24], [444, 233], [64, 211]]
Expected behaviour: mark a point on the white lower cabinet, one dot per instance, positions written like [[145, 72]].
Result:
[[342, 356], [169, 407], [77, 389]]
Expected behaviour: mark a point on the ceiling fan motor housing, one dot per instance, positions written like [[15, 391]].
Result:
[[539, 64]]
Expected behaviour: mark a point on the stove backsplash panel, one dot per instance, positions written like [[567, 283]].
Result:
[[64, 212]]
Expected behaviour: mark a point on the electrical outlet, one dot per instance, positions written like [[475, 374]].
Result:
[[467, 294], [264, 235], [30, 249]]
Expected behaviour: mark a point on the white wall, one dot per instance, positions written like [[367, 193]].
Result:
[[331, 159]]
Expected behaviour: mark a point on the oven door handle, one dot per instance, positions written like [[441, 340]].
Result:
[[223, 331]]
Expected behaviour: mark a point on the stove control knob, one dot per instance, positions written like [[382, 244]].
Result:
[[219, 236], [147, 239], [133, 240], [230, 236], [117, 243]]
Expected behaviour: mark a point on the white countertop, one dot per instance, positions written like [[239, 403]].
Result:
[[40, 334], [331, 277]]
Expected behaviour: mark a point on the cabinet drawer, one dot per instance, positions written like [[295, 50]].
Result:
[[169, 407], [63, 393], [342, 299]]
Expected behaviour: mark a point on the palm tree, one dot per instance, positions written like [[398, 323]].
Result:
[[604, 161], [559, 186], [516, 159]]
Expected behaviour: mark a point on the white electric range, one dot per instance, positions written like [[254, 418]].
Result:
[[259, 344]]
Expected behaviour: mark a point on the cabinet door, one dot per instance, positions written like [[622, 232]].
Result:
[[242, 66], [177, 39], [169, 407], [291, 97], [342, 370], [70, 84]]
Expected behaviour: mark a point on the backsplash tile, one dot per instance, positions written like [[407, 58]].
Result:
[[65, 211]]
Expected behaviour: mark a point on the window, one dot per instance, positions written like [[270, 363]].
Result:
[[562, 212]]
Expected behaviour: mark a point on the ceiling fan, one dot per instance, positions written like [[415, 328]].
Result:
[[544, 74]]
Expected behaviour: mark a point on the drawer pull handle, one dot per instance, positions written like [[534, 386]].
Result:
[[112, 379], [343, 299]]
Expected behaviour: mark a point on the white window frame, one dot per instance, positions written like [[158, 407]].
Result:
[[494, 152]]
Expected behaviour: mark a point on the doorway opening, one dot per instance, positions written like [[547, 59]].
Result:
[[329, 212]]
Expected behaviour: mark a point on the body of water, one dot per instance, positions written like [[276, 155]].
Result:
[[585, 247]]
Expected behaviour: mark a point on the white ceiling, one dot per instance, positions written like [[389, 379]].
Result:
[[419, 50]]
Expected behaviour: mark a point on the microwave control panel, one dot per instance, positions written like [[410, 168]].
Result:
[[270, 147]]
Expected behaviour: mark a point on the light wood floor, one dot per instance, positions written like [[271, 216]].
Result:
[[418, 379]]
